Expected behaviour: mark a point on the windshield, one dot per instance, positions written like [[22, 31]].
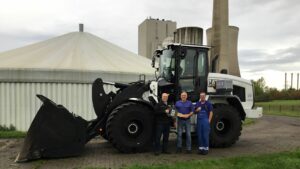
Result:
[[167, 65]]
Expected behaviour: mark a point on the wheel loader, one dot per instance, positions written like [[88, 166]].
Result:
[[126, 118]]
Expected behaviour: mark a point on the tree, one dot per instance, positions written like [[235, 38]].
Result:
[[259, 86]]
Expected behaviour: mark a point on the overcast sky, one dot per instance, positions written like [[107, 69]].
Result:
[[269, 39]]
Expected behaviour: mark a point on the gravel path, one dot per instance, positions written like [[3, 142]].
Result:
[[269, 134]]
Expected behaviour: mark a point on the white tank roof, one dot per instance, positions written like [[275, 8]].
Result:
[[78, 51]]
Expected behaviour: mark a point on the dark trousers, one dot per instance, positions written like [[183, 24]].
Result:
[[161, 129]]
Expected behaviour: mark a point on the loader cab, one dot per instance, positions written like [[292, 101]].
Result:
[[183, 68]]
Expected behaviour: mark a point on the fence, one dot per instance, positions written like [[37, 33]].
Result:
[[269, 108]]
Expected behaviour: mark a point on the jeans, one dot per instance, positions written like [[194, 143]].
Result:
[[203, 129], [161, 129], [184, 124]]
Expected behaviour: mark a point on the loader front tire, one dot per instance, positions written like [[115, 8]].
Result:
[[130, 127], [226, 126]]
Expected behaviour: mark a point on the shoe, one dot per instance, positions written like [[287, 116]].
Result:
[[201, 152], [205, 152], [179, 150], [166, 152], [156, 153], [188, 152]]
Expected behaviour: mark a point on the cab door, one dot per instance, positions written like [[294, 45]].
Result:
[[193, 73]]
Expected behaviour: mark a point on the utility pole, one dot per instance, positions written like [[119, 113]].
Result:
[[297, 81], [291, 80], [285, 81]]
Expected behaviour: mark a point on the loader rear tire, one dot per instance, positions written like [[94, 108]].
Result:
[[226, 126], [130, 127]]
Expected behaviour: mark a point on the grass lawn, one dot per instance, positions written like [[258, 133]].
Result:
[[280, 102], [281, 107], [248, 122], [284, 160], [12, 134]]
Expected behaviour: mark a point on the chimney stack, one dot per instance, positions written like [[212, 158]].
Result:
[[81, 27], [291, 80], [285, 81], [224, 41], [297, 81]]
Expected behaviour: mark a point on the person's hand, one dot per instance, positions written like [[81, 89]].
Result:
[[167, 110], [186, 116], [198, 109], [183, 115], [179, 115]]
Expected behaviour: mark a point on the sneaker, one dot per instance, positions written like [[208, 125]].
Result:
[[205, 152], [156, 153], [179, 150], [188, 152], [166, 152], [200, 152]]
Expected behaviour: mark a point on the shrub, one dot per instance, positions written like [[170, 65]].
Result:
[[5, 128]]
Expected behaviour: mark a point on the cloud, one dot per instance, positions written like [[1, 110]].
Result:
[[256, 60], [269, 29]]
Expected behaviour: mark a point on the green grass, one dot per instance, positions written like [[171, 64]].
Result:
[[248, 122], [281, 107], [284, 160], [282, 102], [12, 134], [38, 164]]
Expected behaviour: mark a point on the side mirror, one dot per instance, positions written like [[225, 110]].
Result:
[[183, 52], [153, 62], [157, 53]]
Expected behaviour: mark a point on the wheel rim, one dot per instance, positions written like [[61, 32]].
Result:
[[134, 128], [220, 125], [223, 126]]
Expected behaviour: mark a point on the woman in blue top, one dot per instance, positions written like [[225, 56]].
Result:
[[203, 108]]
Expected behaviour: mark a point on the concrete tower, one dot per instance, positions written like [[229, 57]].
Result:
[[224, 41]]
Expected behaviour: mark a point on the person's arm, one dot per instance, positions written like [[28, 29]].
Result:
[[210, 116], [177, 112], [197, 108], [210, 112], [191, 111], [158, 110], [167, 110]]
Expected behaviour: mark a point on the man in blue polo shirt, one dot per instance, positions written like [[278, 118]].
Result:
[[203, 108], [184, 110]]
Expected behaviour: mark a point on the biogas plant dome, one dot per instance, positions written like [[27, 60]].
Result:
[[63, 69], [73, 57]]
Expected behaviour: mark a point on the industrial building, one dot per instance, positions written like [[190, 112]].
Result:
[[63, 69], [189, 36], [224, 41], [152, 33]]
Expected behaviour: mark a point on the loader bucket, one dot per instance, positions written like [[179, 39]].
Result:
[[54, 133]]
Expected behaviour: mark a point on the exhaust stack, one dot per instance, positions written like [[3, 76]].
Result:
[[81, 27]]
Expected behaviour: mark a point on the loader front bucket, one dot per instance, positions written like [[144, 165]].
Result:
[[54, 133]]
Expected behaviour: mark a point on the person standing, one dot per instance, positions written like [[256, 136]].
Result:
[[162, 126], [203, 108], [184, 110]]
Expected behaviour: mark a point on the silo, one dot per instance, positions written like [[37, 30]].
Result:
[[189, 35]]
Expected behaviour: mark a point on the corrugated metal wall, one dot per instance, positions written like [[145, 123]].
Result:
[[18, 103]]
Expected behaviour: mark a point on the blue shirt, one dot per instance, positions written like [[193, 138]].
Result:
[[205, 109], [184, 107]]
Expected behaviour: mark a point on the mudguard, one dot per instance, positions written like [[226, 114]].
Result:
[[54, 133]]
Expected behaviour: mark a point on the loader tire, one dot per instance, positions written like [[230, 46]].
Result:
[[130, 127], [226, 126], [104, 135]]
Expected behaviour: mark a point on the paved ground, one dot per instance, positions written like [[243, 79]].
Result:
[[269, 134]]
